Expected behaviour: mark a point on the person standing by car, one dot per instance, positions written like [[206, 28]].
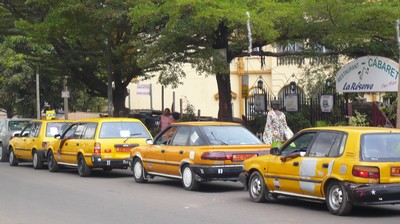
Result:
[[276, 129], [166, 119]]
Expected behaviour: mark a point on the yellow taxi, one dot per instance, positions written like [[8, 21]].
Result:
[[31, 144], [97, 143], [196, 152], [339, 166]]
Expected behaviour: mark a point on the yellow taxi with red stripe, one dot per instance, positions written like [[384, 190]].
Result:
[[196, 152], [31, 144], [341, 166], [97, 143]]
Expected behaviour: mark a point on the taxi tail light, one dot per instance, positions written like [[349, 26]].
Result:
[[215, 156], [97, 148], [366, 172]]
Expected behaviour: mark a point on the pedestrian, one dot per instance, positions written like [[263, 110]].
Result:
[[276, 129], [166, 119]]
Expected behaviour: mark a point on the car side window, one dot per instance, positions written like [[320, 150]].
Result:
[[79, 130], [299, 144], [326, 144], [35, 130], [181, 136], [90, 131], [166, 136]]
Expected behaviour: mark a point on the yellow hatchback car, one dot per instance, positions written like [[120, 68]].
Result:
[[97, 143], [31, 144], [196, 152], [341, 166]]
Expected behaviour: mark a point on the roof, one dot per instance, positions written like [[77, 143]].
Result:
[[101, 119], [205, 123], [359, 129]]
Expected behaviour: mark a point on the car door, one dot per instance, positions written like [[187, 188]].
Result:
[[154, 156], [176, 151], [29, 142], [19, 143], [317, 164], [285, 175], [68, 145]]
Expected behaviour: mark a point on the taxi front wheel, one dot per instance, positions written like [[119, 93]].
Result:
[[138, 171], [258, 190], [51, 162], [13, 160], [337, 199], [188, 179]]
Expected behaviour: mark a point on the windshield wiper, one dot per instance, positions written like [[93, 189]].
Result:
[[134, 134], [220, 141]]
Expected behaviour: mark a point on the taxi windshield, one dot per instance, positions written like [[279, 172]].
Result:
[[382, 147]]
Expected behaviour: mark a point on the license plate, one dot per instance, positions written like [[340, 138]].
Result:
[[241, 157], [123, 149], [395, 171]]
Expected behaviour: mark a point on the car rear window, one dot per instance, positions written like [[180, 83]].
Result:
[[54, 128], [382, 147], [230, 135], [17, 125], [123, 130]]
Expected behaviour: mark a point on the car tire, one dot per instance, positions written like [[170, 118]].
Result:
[[138, 171], [52, 163], [188, 179], [3, 154], [337, 199], [12, 159], [83, 169], [258, 191], [37, 162]]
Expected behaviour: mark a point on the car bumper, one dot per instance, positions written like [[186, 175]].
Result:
[[220, 172], [110, 163], [373, 194]]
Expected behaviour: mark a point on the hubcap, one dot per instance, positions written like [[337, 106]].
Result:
[[255, 187], [11, 157], [137, 170], [336, 198], [35, 162], [187, 177]]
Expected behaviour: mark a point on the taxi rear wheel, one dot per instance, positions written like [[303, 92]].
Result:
[[51, 162], [13, 160], [188, 179], [37, 162], [337, 199], [83, 168], [138, 171], [258, 190]]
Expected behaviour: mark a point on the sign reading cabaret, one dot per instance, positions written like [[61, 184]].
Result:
[[368, 74]]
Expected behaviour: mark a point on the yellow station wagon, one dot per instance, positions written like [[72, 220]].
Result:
[[31, 144], [97, 143], [341, 166], [196, 152]]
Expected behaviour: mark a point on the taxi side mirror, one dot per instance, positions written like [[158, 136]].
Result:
[[149, 141], [274, 151], [57, 136]]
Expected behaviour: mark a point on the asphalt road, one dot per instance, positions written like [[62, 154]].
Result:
[[40, 197]]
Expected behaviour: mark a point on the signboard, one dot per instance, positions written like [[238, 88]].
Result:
[[368, 74], [326, 103], [259, 102], [64, 94], [291, 103], [143, 89]]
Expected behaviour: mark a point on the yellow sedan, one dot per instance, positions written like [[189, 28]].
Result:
[[341, 166], [31, 144], [196, 152]]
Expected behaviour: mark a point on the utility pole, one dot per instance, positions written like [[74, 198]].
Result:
[[109, 80], [398, 78], [65, 95], [37, 95]]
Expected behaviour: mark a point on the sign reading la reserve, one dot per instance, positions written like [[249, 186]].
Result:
[[368, 74]]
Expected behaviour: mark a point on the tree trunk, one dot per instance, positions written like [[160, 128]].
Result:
[[225, 98]]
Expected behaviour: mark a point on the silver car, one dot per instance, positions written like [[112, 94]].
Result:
[[7, 129]]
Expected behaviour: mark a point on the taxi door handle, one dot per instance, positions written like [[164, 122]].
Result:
[[295, 163], [77, 144], [325, 165], [163, 150]]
